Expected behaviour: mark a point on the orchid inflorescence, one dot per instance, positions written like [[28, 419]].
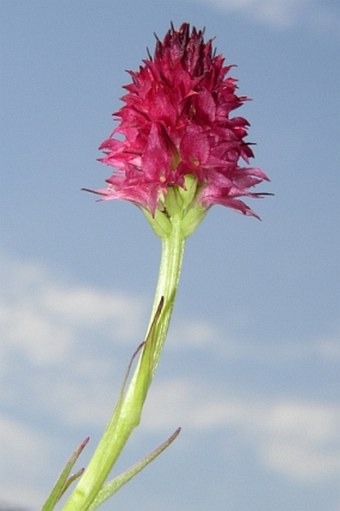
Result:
[[178, 132]]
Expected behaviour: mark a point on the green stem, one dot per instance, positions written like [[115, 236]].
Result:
[[168, 278], [127, 413]]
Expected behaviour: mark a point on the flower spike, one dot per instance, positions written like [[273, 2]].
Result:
[[176, 121]]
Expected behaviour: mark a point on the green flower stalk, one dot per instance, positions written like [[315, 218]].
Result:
[[128, 410], [177, 153]]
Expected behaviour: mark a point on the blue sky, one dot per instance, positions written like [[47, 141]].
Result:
[[251, 367]]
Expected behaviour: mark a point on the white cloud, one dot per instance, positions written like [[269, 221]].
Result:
[[24, 450], [328, 348], [85, 402], [299, 439], [193, 334], [203, 336], [52, 328], [61, 345], [280, 13], [303, 439], [44, 318]]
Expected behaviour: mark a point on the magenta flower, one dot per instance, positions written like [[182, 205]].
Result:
[[176, 123]]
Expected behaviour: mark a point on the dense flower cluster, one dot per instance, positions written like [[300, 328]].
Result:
[[176, 123]]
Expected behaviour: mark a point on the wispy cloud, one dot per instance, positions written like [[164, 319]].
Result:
[[297, 438], [19, 446], [46, 318], [294, 438], [60, 343], [281, 13], [65, 339], [203, 336]]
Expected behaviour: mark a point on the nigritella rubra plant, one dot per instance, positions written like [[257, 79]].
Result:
[[177, 150]]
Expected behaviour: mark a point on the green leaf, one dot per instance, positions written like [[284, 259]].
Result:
[[113, 486], [64, 481]]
